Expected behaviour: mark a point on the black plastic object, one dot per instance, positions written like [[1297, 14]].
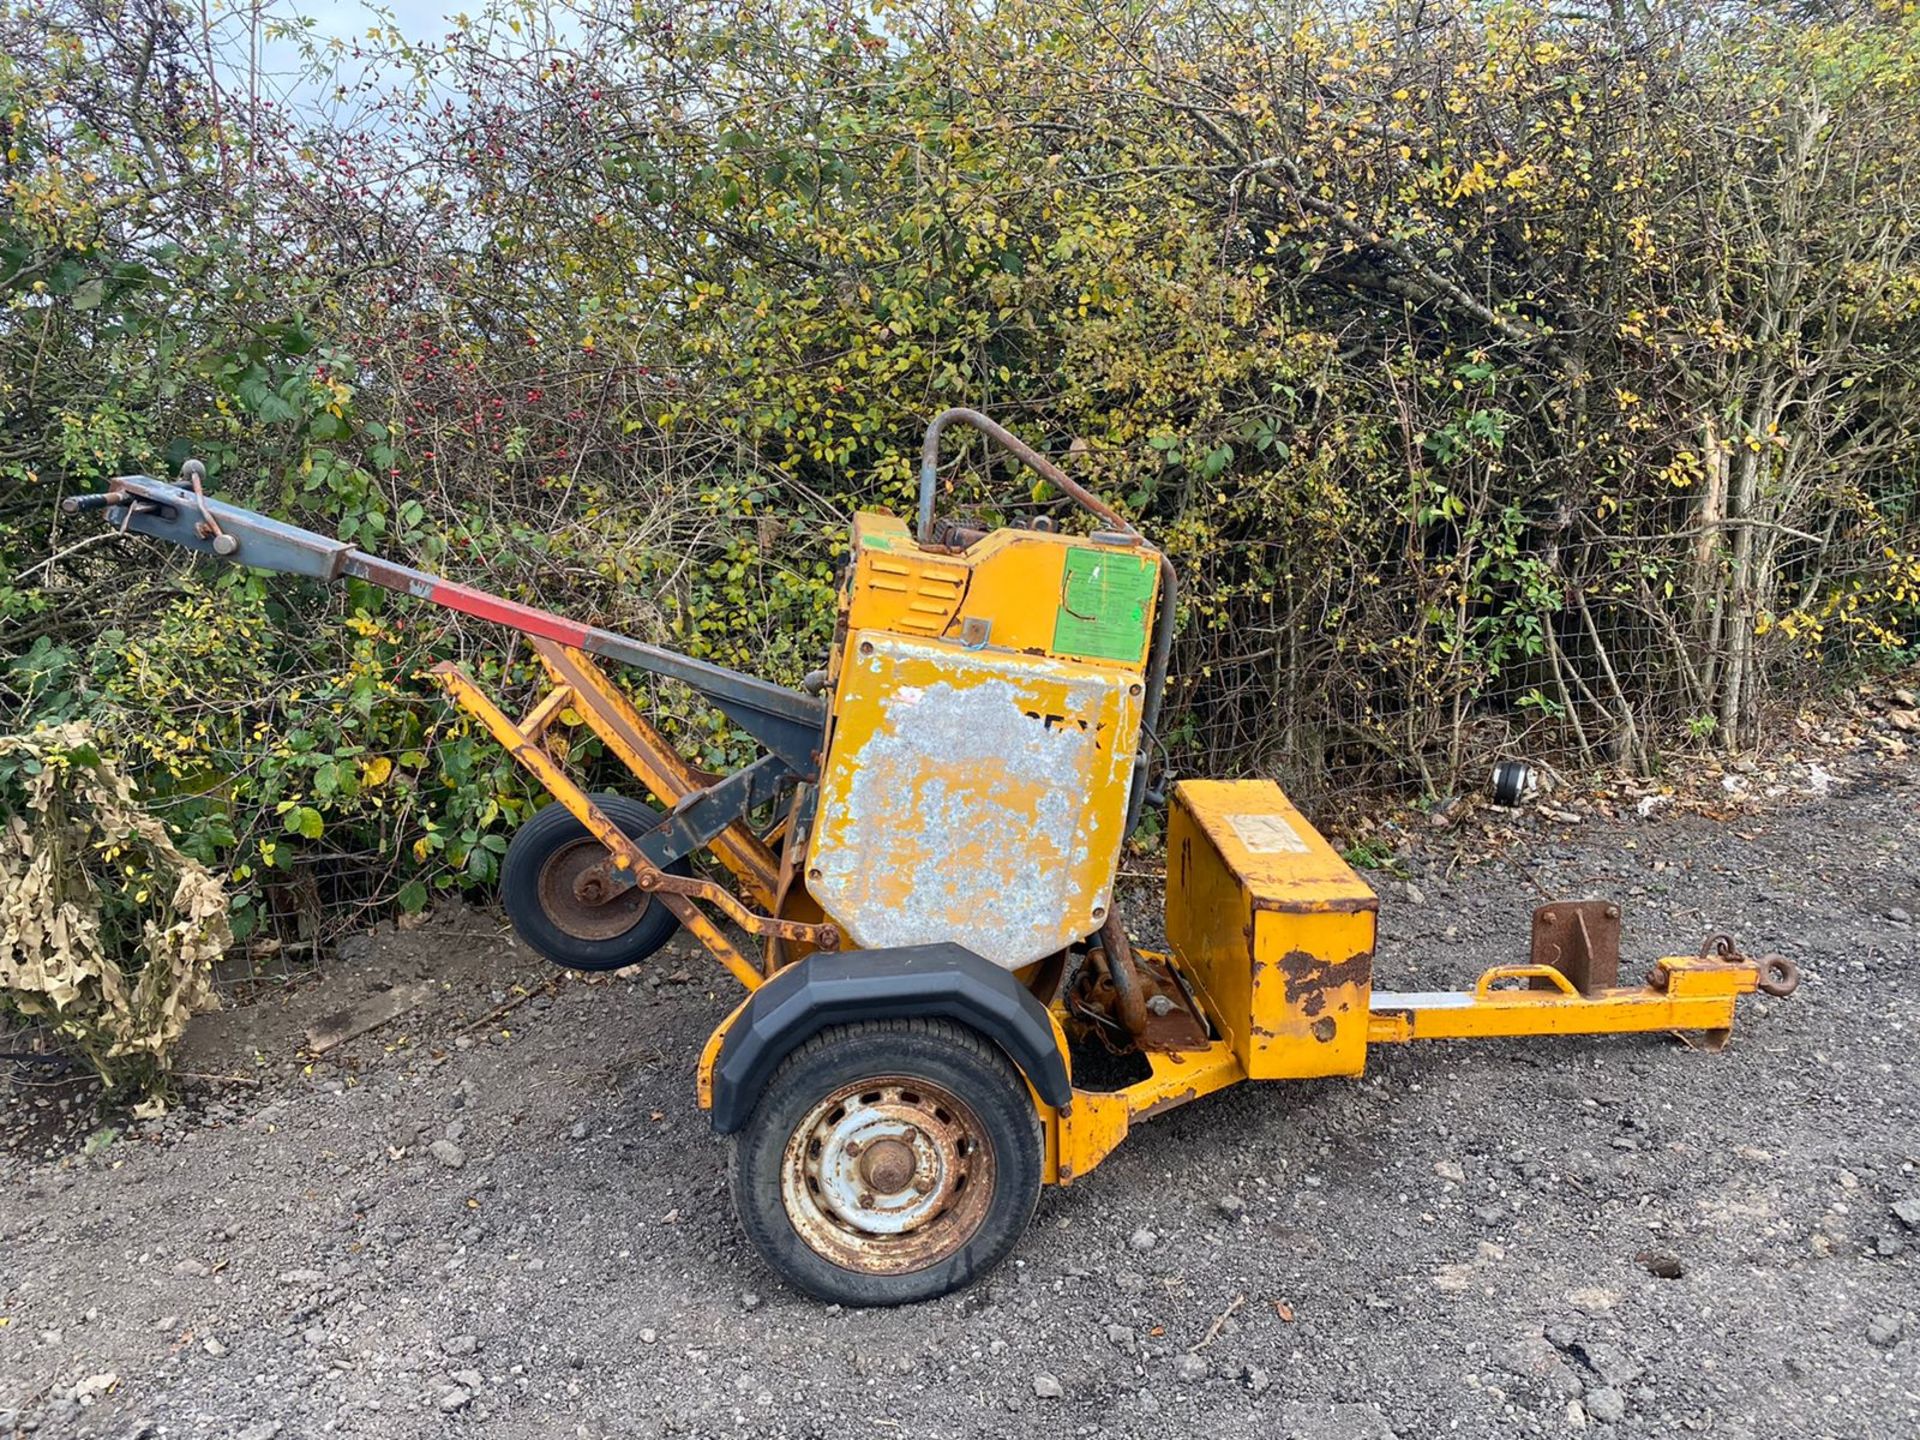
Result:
[[946, 982], [1512, 779]]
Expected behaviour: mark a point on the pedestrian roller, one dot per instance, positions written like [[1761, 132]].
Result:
[[914, 883]]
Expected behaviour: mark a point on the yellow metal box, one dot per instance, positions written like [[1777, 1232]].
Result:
[[1274, 927]]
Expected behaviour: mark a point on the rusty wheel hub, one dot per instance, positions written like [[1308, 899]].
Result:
[[887, 1175], [578, 898]]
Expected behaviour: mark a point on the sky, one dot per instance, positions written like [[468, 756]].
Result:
[[283, 68]]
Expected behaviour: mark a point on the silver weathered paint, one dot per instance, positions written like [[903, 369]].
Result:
[[968, 813]]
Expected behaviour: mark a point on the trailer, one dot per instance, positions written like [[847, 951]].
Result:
[[920, 900]]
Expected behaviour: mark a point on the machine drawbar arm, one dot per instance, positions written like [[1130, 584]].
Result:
[[787, 722]]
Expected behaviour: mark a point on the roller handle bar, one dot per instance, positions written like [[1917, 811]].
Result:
[[1015, 446], [787, 722]]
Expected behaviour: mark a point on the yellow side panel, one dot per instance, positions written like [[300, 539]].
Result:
[[972, 795], [1098, 1121], [1273, 925], [1210, 925], [1017, 587], [896, 586], [1312, 977], [1014, 585]]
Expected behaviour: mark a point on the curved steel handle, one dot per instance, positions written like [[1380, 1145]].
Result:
[[1522, 972], [1015, 446]]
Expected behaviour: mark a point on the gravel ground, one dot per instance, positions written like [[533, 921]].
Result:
[[518, 1227]]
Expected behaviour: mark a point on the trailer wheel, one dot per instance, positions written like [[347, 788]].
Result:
[[547, 854], [888, 1161]]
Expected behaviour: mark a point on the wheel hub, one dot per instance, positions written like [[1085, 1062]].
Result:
[[575, 894], [887, 1175], [889, 1167]]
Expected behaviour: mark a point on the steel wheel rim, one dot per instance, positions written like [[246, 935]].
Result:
[[887, 1175], [608, 920]]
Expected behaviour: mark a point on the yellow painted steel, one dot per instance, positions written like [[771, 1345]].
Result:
[[1097, 1121], [982, 739], [710, 1054], [534, 723], [528, 752], [644, 751], [983, 733], [972, 795], [1698, 994], [1015, 582], [1273, 927], [895, 586]]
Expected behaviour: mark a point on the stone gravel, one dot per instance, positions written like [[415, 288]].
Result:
[[1621, 1237]]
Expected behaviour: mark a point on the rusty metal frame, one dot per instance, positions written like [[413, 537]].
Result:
[[642, 749], [1579, 939], [663, 770]]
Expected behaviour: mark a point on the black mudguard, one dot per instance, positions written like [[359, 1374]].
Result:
[[946, 982]]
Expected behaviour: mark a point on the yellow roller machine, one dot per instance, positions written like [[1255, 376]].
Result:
[[922, 907]]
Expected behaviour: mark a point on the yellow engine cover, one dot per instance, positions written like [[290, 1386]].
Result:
[[976, 796], [985, 726]]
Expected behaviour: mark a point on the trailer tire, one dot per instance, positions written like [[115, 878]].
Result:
[[888, 1162], [535, 892]]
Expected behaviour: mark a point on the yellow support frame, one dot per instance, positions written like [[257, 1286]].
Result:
[[643, 750], [1691, 992], [1687, 993], [580, 683], [1092, 1127]]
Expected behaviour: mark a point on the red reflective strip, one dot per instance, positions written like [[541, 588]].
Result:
[[511, 613]]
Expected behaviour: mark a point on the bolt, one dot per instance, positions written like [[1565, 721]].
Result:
[[866, 1200], [853, 1147]]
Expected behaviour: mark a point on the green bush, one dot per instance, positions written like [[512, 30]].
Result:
[[1498, 379]]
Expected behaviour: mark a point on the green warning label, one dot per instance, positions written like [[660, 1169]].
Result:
[[1103, 605]]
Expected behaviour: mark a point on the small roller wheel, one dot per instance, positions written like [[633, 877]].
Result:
[[1778, 975], [538, 887], [888, 1161]]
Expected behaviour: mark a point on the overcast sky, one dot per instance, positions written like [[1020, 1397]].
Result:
[[281, 64]]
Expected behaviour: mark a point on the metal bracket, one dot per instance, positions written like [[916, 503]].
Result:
[[1581, 940]]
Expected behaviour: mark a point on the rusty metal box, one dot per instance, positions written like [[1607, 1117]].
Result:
[[1274, 927]]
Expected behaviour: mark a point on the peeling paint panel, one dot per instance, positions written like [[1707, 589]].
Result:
[[973, 796]]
